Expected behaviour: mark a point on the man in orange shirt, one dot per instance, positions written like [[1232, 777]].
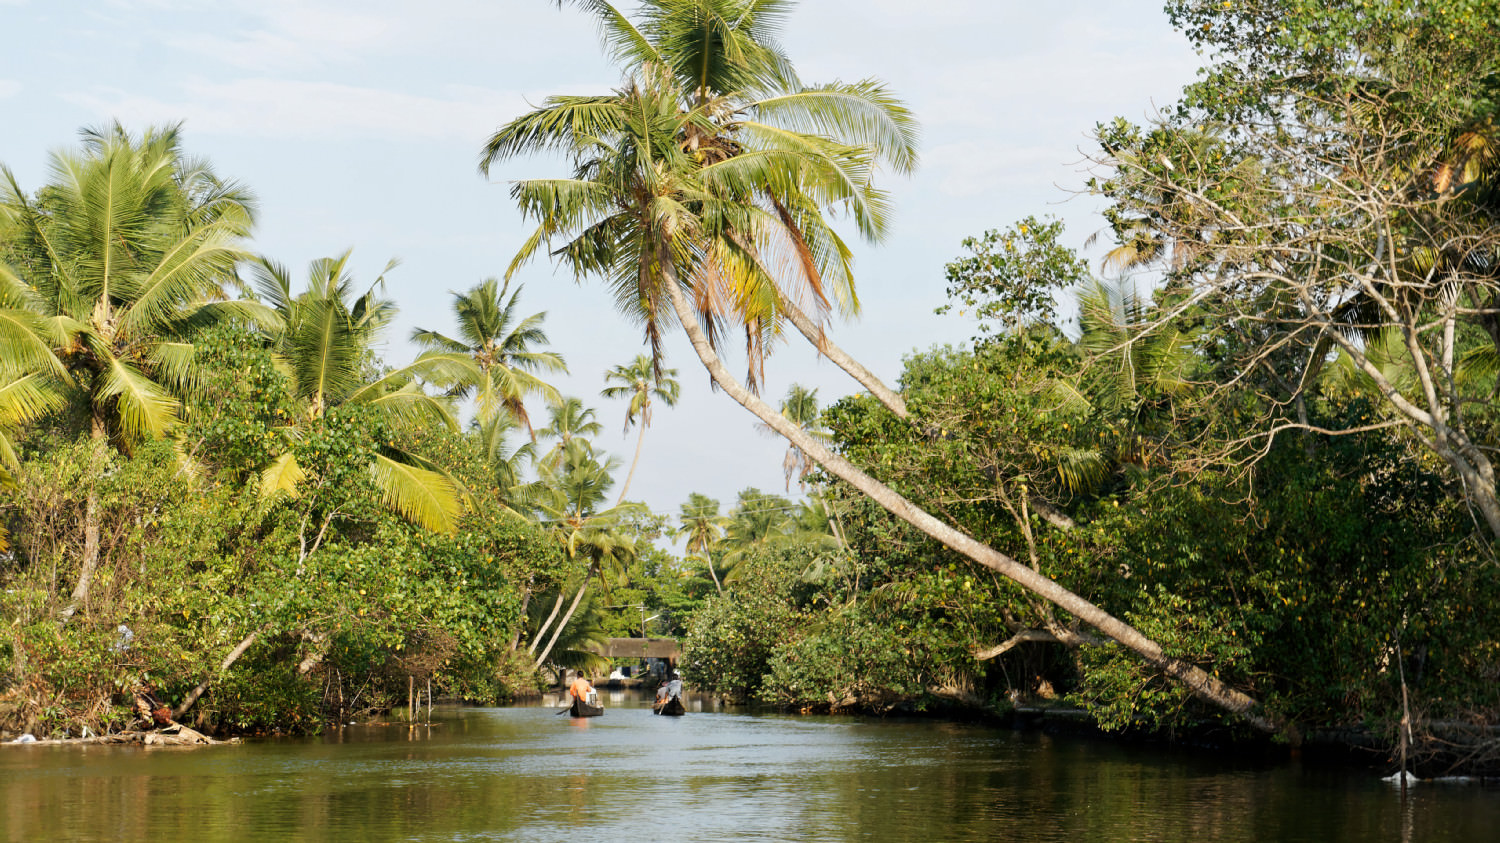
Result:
[[580, 689]]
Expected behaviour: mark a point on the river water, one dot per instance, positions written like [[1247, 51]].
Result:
[[526, 774]]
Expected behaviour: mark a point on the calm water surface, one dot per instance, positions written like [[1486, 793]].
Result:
[[524, 774]]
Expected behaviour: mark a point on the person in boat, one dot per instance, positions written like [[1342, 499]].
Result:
[[669, 689], [580, 690]]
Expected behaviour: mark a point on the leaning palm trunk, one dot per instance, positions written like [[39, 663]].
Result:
[[640, 440], [826, 347], [1201, 683], [562, 624], [709, 561], [547, 624]]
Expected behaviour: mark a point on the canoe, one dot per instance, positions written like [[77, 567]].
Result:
[[671, 708], [583, 709]]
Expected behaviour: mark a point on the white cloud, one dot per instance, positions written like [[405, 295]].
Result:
[[283, 37], [9, 87], [295, 109]]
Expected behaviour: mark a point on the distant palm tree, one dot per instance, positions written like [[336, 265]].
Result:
[[502, 346], [567, 420], [703, 527], [640, 382], [567, 497], [758, 521], [800, 407]]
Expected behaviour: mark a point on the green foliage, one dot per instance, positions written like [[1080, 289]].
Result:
[[1013, 278], [239, 402], [731, 640], [846, 660]]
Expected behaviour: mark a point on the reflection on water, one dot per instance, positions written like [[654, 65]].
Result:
[[530, 774]]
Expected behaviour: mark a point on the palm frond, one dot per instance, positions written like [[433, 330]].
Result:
[[282, 476], [423, 496]]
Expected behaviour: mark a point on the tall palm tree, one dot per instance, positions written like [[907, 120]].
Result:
[[703, 527], [129, 246], [324, 342], [640, 381], [721, 63], [503, 345], [668, 223]]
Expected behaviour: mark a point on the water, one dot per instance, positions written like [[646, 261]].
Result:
[[526, 774]]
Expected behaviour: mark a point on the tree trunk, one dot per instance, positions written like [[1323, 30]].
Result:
[[515, 640], [709, 561], [562, 624], [1201, 683], [90, 561], [547, 624], [229, 660], [640, 440], [825, 346]]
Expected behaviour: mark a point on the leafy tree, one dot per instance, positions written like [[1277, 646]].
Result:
[[1329, 186]]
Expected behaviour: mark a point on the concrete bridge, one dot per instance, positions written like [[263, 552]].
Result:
[[640, 648]]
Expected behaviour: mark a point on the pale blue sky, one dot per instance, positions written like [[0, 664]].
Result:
[[359, 125]]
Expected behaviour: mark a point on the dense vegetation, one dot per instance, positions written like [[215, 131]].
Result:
[[1260, 494]]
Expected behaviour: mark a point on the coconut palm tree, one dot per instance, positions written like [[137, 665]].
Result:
[[503, 345], [640, 382], [324, 342], [703, 527], [670, 224], [567, 420], [129, 246], [800, 406], [721, 63]]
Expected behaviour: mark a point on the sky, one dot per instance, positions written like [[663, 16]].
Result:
[[359, 124]]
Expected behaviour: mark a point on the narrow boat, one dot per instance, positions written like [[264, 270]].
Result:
[[671, 708], [583, 709]]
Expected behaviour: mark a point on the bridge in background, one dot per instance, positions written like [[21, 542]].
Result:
[[640, 648]]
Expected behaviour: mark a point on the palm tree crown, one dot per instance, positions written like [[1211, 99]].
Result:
[[324, 343], [712, 151], [502, 345], [640, 381], [131, 245]]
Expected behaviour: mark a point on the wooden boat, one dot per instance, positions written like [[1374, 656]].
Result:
[[671, 708], [583, 709]]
